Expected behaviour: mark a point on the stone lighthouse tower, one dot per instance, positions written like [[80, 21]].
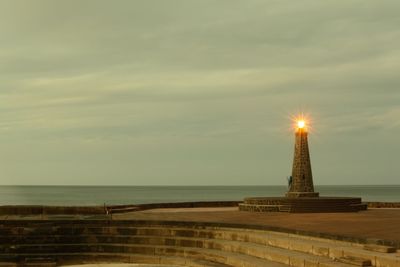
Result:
[[301, 196], [301, 180]]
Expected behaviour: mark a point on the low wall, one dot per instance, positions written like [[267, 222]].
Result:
[[58, 224], [39, 209], [199, 204], [70, 210]]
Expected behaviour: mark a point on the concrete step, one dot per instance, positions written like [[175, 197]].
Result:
[[187, 257], [354, 261], [210, 246], [380, 248], [204, 263], [86, 258]]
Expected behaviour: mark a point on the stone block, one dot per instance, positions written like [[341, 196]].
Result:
[[380, 248], [321, 251], [335, 253], [385, 262], [311, 263], [277, 257], [172, 260], [306, 247], [280, 243], [354, 261], [296, 262], [144, 259]]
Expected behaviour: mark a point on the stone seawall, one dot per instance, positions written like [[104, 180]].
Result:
[[39, 209], [71, 210]]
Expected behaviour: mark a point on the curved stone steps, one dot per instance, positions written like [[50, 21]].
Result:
[[312, 245], [162, 255], [66, 259], [183, 245], [315, 246], [244, 235], [192, 236], [306, 244]]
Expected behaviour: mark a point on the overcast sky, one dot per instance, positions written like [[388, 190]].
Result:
[[185, 92]]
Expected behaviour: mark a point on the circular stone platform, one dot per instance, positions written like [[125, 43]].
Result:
[[302, 204]]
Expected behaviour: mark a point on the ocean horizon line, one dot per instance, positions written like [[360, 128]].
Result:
[[131, 185], [130, 194]]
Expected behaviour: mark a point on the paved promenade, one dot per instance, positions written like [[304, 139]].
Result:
[[374, 223]]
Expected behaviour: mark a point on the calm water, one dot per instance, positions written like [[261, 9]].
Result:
[[97, 195]]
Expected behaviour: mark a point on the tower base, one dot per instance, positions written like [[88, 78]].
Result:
[[302, 194], [302, 204]]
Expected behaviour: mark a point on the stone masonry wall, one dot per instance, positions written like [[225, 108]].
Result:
[[301, 173]]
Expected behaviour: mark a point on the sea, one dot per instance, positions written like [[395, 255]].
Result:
[[116, 195]]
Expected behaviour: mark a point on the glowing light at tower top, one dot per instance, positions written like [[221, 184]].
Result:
[[301, 123]]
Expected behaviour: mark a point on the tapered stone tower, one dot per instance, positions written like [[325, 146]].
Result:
[[301, 180], [301, 196]]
